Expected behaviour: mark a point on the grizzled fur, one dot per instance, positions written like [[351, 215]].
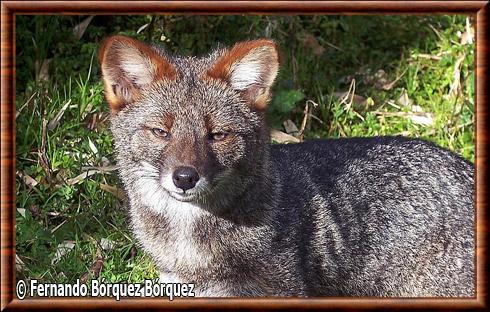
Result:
[[384, 216]]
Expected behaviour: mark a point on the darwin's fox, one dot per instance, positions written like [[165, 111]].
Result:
[[216, 205]]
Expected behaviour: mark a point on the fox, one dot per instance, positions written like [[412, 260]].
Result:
[[215, 204]]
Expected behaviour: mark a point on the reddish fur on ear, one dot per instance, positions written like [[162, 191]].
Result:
[[221, 69], [122, 87], [250, 67]]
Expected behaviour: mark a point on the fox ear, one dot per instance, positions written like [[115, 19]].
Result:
[[128, 66], [249, 67]]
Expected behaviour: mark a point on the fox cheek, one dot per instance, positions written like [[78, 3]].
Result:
[[229, 154]]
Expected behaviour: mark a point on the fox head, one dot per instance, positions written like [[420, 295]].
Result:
[[188, 128]]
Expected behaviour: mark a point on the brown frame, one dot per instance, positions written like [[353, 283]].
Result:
[[480, 9]]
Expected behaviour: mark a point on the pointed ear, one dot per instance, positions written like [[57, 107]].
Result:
[[128, 66], [249, 67]]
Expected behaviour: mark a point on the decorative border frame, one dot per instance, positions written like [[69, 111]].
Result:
[[479, 9]]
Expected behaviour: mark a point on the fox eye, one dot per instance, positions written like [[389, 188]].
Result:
[[218, 136], [160, 133]]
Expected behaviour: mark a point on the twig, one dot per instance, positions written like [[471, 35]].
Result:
[[25, 104]]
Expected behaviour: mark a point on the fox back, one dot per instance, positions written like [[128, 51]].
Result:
[[215, 204]]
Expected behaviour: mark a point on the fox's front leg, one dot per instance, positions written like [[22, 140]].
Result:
[[167, 277]]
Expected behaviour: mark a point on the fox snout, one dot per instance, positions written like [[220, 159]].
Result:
[[185, 177]]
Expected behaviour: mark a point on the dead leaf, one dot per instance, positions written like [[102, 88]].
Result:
[[43, 158], [425, 119], [94, 270], [58, 226], [113, 190], [388, 85], [427, 56], [92, 147], [22, 212], [307, 115], [417, 109], [79, 29], [28, 180], [56, 120], [360, 103], [380, 79], [281, 137], [469, 34], [25, 104], [42, 69], [133, 252], [105, 162], [456, 84], [107, 244], [82, 176], [343, 96], [290, 127], [404, 100], [142, 28], [35, 211], [19, 264], [96, 120], [107, 168], [61, 250]]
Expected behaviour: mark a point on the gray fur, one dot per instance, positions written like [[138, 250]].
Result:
[[382, 216]]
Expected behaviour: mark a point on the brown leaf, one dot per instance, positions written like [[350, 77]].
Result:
[[82, 176], [134, 252], [359, 102], [96, 120], [311, 43], [28, 180], [113, 190], [106, 168], [281, 137], [94, 270], [35, 211]]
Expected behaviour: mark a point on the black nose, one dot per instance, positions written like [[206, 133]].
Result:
[[185, 178]]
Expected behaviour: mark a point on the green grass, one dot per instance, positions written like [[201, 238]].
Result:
[[322, 56]]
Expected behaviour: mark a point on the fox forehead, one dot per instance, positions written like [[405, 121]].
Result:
[[192, 103]]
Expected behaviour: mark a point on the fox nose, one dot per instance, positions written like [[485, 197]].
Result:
[[185, 178]]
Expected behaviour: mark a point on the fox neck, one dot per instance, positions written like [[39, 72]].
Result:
[[249, 198]]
